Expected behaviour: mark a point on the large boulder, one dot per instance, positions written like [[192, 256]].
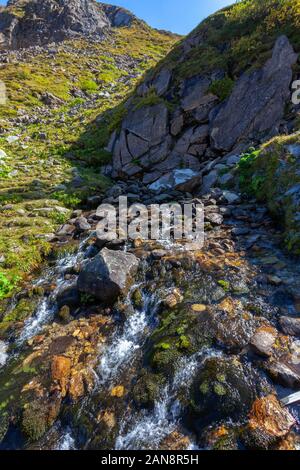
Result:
[[148, 123], [193, 92], [160, 83], [257, 102], [144, 129], [118, 17], [173, 179], [108, 275]]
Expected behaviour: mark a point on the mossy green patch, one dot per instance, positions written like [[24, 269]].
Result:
[[150, 99], [271, 174], [179, 333], [222, 88], [225, 285], [235, 39]]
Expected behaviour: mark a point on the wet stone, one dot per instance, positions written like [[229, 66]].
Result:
[[263, 341], [268, 423], [290, 326], [285, 371]]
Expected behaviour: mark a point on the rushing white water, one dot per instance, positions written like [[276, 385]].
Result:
[[3, 353], [66, 441], [148, 429], [32, 325], [124, 345], [46, 309]]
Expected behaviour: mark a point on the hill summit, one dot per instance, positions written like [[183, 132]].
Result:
[[25, 23]]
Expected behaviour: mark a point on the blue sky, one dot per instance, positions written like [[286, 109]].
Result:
[[180, 16]]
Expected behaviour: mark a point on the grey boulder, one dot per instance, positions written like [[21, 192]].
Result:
[[108, 275]]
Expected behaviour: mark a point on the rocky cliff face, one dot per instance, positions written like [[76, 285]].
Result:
[[117, 16], [155, 140], [30, 22], [205, 101]]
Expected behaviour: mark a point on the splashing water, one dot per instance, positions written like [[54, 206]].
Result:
[[150, 428], [124, 345], [46, 309], [3, 353], [66, 441], [33, 324]]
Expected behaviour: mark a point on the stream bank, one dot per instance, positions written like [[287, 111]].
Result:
[[195, 354]]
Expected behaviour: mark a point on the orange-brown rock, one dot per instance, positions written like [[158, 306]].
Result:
[[76, 386], [108, 418], [175, 441], [289, 443], [60, 372], [269, 423], [221, 438], [118, 391]]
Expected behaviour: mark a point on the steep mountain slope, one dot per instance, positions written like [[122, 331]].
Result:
[[223, 89], [49, 134]]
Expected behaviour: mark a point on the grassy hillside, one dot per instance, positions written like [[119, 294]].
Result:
[[63, 142], [235, 38], [85, 65]]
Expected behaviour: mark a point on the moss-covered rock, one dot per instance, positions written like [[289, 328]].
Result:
[[137, 298], [234, 38], [272, 175], [146, 389], [35, 420], [14, 318], [180, 332], [224, 388]]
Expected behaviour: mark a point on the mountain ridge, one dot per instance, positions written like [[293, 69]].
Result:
[[24, 23]]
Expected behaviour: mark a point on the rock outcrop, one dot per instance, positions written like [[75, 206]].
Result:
[[117, 16], [268, 423], [26, 23], [257, 102], [186, 126]]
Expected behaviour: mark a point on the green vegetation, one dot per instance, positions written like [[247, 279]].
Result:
[[237, 38], [35, 420], [27, 81], [6, 286], [225, 285], [222, 88], [272, 175], [23, 309], [178, 334], [37, 179], [250, 183], [150, 99], [89, 86]]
